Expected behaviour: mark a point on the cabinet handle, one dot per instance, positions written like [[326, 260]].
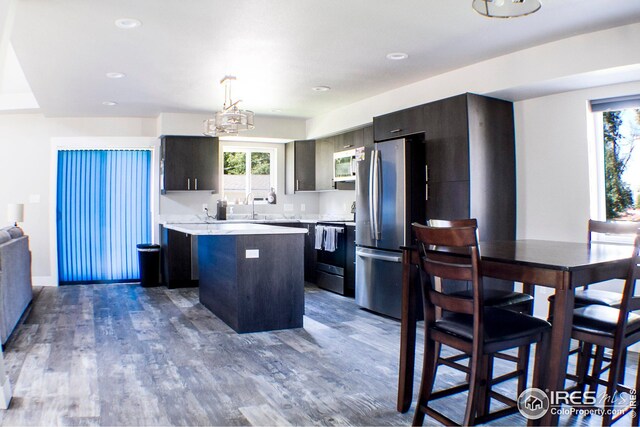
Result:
[[188, 183], [297, 185], [426, 191], [196, 183], [395, 130]]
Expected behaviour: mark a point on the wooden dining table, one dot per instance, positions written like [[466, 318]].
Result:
[[564, 266]]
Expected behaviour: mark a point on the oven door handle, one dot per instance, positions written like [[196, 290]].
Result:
[[389, 258]]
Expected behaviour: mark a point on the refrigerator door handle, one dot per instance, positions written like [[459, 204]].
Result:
[[374, 192], [389, 258], [372, 198]]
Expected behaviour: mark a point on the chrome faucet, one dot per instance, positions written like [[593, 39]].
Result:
[[253, 205]]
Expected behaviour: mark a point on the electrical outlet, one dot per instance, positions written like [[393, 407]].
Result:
[[302, 207], [205, 207]]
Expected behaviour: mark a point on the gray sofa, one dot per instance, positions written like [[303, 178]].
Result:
[[15, 278]]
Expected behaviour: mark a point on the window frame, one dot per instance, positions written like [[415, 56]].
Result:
[[595, 130], [248, 149]]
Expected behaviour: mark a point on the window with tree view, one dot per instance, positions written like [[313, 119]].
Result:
[[247, 171], [620, 140]]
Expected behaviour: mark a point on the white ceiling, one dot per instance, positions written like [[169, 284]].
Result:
[[278, 49]]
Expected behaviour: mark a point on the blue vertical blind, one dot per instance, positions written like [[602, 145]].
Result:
[[103, 212]]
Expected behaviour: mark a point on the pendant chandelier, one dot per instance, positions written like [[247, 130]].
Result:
[[506, 8], [231, 119]]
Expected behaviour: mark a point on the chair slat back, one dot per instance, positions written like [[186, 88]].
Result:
[[449, 253], [629, 303], [618, 228]]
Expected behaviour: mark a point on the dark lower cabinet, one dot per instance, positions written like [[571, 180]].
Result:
[[179, 259], [310, 254], [350, 266]]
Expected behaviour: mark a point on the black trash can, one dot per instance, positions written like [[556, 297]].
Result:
[[149, 261]]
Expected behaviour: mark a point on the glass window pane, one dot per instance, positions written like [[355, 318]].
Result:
[[260, 163], [235, 163], [622, 164]]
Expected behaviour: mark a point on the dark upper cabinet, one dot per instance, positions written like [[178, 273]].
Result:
[[348, 140], [324, 164], [399, 123], [189, 163], [300, 168], [470, 158], [447, 134]]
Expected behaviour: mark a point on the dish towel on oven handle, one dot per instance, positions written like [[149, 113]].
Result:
[[319, 236], [331, 238]]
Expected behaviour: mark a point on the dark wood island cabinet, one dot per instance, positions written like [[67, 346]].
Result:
[[251, 275]]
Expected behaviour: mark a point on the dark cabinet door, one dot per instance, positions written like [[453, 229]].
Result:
[[448, 200], [176, 259], [324, 164], [447, 140], [310, 253], [398, 124], [305, 165], [350, 267], [189, 163]]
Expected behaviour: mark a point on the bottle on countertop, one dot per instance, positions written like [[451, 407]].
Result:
[[271, 197], [221, 212]]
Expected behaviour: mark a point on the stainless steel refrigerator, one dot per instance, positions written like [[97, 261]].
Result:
[[390, 194]]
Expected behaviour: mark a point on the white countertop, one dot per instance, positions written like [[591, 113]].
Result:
[[235, 228]]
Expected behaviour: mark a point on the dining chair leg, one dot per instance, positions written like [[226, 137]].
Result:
[[541, 361], [582, 370], [612, 385], [623, 366], [634, 411], [474, 387], [523, 366], [596, 370], [429, 367]]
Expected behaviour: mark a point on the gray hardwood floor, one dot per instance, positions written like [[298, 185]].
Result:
[[126, 355]]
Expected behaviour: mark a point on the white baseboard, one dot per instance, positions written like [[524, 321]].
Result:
[[44, 281]]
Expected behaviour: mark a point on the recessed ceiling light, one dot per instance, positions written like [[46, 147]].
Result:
[[115, 75], [320, 88], [397, 56], [127, 23], [109, 103]]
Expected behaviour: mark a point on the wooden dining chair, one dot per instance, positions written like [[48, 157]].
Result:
[[521, 302], [612, 328], [588, 296], [452, 253]]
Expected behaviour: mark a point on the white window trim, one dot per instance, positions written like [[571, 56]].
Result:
[[273, 176], [598, 210]]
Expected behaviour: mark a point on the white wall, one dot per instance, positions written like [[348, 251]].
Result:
[[336, 203], [593, 58], [554, 152], [25, 170]]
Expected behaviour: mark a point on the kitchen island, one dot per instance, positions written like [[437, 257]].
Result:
[[251, 275]]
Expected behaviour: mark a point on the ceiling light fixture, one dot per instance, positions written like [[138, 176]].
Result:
[[127, 23], [109, 103], [115, 75], [397, 56], [320, 88], [231, 119], [506, 8]]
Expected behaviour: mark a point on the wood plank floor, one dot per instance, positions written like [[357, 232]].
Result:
[[126, 355]]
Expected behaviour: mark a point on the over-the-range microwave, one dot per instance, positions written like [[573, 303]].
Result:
[[344, 165]]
